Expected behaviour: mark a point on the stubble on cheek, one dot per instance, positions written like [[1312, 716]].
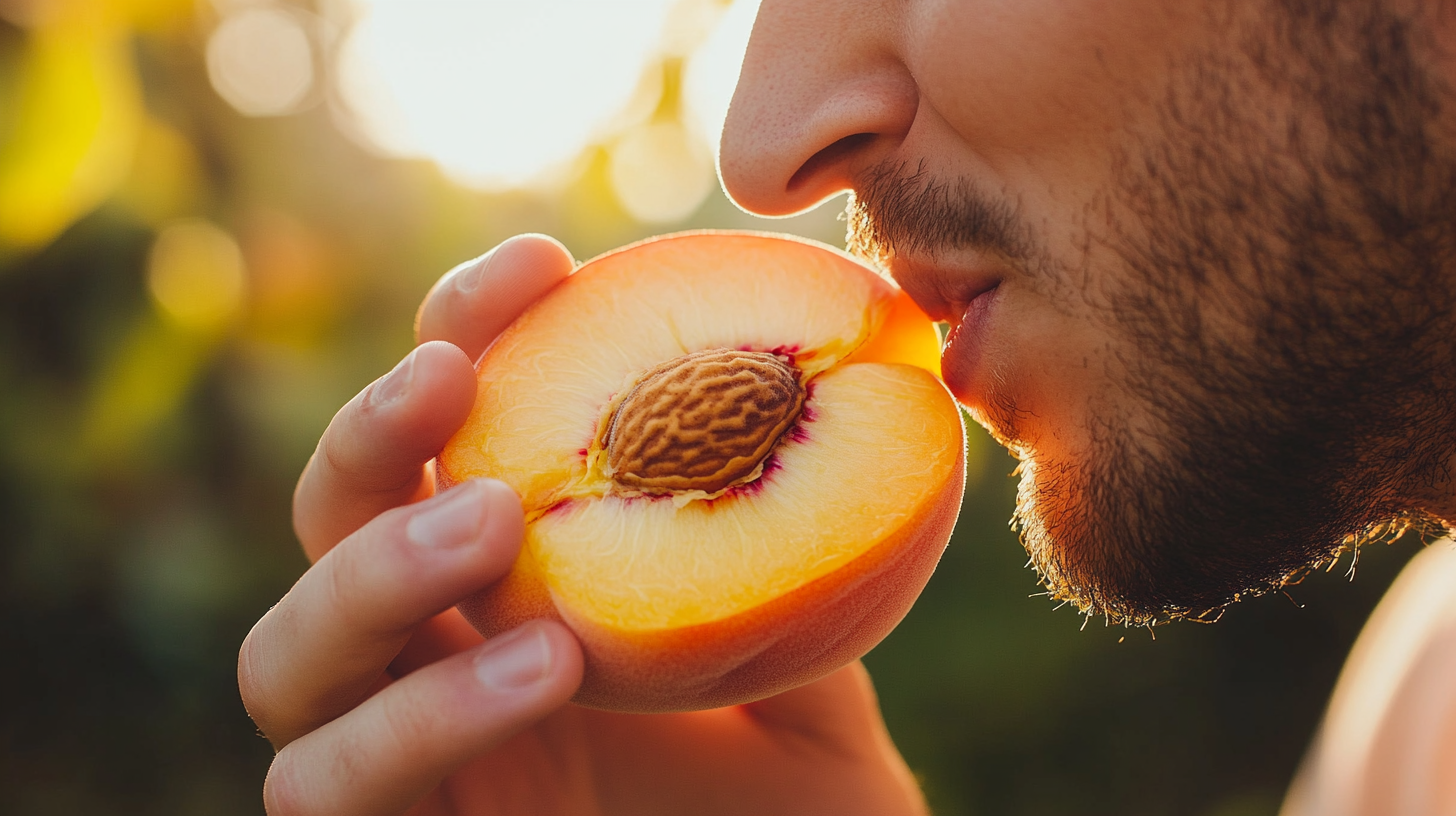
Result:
[[1281, 292]]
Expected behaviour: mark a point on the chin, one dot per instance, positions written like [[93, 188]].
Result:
[[1145, 542]]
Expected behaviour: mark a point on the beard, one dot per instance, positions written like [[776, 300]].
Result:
[[1279, 290]]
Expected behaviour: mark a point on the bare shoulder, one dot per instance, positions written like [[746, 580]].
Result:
[[1388, 742]]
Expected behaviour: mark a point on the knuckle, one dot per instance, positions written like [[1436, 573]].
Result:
[[404, 724], [283, 794], [361, 472], [258, 677], [342, 583], [363, 578], [252, 677], [322, 778], [354, 468], [338, 459]]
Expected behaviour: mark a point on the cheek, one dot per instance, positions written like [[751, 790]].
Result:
[[1013, 74]]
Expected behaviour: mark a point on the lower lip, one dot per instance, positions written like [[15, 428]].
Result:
[[965, 346]]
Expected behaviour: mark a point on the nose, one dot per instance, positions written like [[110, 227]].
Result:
[[823, 95]]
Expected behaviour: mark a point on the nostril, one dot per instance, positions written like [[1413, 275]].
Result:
[[828, 157]]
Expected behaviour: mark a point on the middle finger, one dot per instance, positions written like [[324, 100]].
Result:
[[320, 650]]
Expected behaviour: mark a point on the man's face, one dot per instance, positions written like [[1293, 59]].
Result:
[[1194, 257]]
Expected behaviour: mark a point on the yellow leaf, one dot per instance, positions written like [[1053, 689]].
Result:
[[145, 382], [77, 115]]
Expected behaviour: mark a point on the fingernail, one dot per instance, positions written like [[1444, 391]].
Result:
[[468, 275], [514, 660], [395, 384], [449, 520]]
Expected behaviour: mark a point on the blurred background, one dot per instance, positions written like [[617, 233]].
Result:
[[216, 221]]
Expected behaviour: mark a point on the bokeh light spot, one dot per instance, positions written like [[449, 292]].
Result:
[[260, 60], [661, 172], [195, 274]]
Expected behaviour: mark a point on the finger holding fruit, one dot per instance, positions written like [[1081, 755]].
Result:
[[351, 738], [374, 454], [381, 702], [315, 673]]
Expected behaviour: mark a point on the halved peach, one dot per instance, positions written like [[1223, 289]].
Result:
[[738, 466]]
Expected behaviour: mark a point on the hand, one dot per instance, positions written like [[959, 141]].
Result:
[[381, 699]]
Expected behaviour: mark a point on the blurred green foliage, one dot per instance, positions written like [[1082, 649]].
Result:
[[148, 451]]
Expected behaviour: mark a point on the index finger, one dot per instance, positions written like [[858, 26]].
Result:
[[374, 454], [475, 301]]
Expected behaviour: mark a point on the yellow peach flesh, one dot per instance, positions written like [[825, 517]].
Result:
[[646, 564], [867, 467]]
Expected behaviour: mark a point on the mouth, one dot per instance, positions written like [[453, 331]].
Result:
[[945, 291], [962, 292], [962, 358]]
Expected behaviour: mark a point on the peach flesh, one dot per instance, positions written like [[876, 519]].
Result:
[[686, 597]]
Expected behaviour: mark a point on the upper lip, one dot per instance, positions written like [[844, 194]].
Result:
[[945, 287]]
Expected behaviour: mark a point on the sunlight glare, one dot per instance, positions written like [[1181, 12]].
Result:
[[496, 91], [712, 72]]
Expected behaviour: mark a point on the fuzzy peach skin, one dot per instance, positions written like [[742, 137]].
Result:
[[693, 602]]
